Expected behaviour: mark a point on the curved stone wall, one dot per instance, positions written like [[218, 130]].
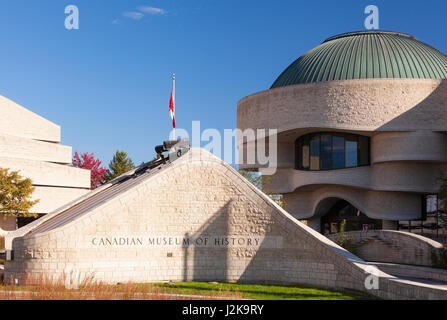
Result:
[[422, 145], [375, 204], [405, 118], [391, 176], [389, 191], [361, 105], [391, 246]]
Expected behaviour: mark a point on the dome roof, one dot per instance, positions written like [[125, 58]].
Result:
[[363, 55]]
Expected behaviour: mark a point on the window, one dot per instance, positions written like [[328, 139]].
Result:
[[304, 153], [351, 152], [326, 152], [332, 150], [429, 204], [315, 153], [338, 152]]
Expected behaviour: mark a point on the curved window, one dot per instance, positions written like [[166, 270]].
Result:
[[331, 150]]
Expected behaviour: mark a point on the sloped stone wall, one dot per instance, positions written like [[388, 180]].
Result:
[[197, 220], [392, 246]]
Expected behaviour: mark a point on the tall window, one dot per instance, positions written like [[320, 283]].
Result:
[[331, 150]]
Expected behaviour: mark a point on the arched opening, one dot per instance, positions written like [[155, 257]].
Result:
[[334, 210]]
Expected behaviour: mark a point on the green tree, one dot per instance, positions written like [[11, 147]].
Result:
[[253, 177], [442, 198], [439, 256], [119, 165], [260, 182], [343, 241], [342, 238], [15, 194]]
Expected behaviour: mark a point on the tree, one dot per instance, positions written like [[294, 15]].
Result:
[[15, 194], [443, 188], [439, 256], [343, 240], [88, 161], [119, 165], [442, 198], [260, 182], [255, 178]]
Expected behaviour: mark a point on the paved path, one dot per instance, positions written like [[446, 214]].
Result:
[[419, 274], [438, 284]]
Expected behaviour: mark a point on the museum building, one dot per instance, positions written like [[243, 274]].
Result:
[[361, 122], [31, 145]]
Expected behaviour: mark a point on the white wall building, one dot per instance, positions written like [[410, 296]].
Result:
[[29, 143]]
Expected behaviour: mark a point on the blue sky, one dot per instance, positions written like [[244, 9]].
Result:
[[108, 83]]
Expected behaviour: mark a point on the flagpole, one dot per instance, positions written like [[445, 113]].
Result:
[[173, 93]]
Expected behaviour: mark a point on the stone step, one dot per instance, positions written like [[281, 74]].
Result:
[[377, 238]]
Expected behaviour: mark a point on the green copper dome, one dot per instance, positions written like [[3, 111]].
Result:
[[364, 55]]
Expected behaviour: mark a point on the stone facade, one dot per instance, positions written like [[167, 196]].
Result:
[[404, 118], [197, 219], [30, 144], [392, 246]]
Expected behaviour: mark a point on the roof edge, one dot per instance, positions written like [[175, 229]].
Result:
[[354, 33]]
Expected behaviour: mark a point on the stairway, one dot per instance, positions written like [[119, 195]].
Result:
[[375, 237]]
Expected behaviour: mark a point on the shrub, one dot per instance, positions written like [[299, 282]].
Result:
[[343, 241]]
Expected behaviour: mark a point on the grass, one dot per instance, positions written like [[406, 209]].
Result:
[[261, 292], [46, 289], [89, 289]]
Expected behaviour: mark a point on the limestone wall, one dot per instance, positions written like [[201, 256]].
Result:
[[211, 224], [22, 148], [392, 246], [21, 122], [405, 119], [388, 176], [375, 204], [29, 144], [48, 174], [51, 198], [422, 145], [361, 105]]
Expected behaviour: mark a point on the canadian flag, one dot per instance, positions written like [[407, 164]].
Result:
[[172, 102]]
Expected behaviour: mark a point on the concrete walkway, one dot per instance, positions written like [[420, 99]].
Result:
[[438, 284], [419, 274]]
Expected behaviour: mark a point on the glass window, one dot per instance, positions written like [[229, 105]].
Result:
[[363, 151], [305, 153], [351, 152], [338, 152], [315, 153], [326, 152], [431, 203]]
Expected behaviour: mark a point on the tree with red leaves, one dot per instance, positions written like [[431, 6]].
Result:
[[88, 161]]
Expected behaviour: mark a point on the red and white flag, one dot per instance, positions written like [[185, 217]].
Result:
[[172, 102]]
